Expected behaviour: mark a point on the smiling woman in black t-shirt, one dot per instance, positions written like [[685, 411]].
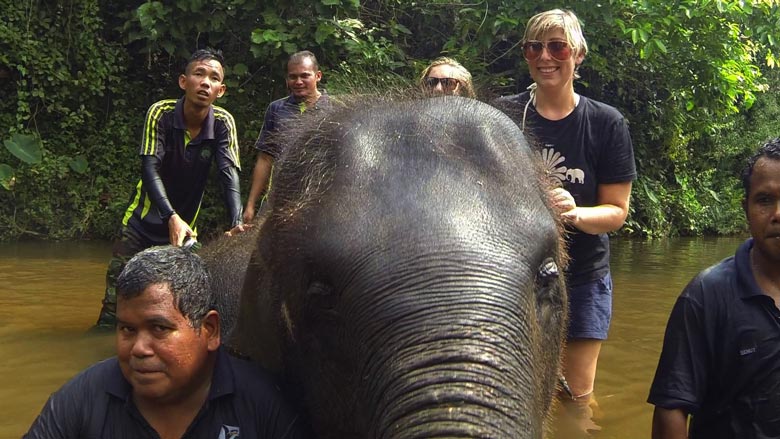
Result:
[[586, 148]]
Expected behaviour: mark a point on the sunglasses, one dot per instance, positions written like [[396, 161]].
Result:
[[559, 50], [447, 84]]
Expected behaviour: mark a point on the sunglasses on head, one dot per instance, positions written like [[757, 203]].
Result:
[[559, 50], [448, 84]]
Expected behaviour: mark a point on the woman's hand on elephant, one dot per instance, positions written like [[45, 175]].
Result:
[[564, 202], [562, 199]]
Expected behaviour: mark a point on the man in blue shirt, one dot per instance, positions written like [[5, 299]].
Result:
[[171, 378], [721, 356], [303, 75]]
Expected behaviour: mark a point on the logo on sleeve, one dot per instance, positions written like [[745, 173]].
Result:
[[229, 432]]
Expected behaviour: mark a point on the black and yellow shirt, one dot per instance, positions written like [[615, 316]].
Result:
[[184, 165]]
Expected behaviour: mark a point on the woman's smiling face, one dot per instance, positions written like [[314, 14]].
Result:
[[549, 72]]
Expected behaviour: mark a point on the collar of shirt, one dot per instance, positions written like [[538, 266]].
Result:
[[745, 272], [321, 101], [206, 129]]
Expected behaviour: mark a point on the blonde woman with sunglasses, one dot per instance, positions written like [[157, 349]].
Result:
[[587, 150], [446, 76]]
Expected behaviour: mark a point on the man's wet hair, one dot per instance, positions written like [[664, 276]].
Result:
[[299, 57], [206, 54], [183, 272], [770, 149]]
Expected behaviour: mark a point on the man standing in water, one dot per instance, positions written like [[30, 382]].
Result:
[[181, 138], [303, 75], [720, 362]]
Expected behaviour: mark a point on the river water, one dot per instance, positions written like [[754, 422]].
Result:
[[50, 294]]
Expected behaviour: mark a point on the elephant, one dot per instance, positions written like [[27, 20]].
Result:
[[405, 278]]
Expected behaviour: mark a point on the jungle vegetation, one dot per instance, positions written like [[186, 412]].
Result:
[[697, 80]]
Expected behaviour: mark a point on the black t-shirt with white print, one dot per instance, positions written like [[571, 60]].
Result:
[[590, 146]]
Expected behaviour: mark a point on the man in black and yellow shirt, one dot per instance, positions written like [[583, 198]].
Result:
[[181, 139]]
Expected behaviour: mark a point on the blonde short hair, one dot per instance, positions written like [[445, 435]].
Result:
[[464, 77], [543, 22]]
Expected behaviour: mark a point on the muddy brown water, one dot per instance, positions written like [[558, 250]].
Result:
[[50, 295]]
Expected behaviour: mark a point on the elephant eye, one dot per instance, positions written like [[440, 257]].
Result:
[[550, 296], [548, 272], [321, 295]]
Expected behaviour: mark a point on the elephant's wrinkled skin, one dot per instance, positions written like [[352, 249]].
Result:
[[405, 277]]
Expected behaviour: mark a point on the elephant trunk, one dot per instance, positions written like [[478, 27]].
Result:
[[458, 375]]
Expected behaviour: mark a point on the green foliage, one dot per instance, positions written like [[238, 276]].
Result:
[[26, 148], [691, 76], [62, 77]]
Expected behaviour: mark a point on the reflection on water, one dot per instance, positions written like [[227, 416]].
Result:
[[50, 295]]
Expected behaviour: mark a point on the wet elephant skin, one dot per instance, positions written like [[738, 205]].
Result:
[[405, 276]]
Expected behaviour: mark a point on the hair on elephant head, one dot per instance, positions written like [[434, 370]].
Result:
[[406, 277]]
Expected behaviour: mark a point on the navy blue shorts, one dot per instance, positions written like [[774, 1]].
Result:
[[590, 309]]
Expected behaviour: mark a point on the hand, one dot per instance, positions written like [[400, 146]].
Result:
[[564, 202], [249, 214], [178, 230], [241, 228], [562, 199]]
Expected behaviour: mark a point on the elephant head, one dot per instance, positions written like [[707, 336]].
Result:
[[406, 274]]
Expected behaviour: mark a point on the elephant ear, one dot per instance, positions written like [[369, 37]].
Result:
[[257, 333]]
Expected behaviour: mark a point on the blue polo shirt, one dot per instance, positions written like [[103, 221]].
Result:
[[243, 402], [721, 354], [278, 115]]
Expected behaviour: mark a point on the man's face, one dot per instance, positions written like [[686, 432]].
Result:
[[763, 208], [162, 356], [202, 82], [302, 79]]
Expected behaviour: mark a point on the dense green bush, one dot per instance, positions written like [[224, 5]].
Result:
[[691, 76], [64, 84]]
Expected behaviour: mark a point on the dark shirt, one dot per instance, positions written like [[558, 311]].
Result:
[[183, 167], [96, 404], [589, 147], [278, 115], [721, 355]]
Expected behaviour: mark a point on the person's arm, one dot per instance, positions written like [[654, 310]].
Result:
[[178, 229], [608, 215], [670, 423], [232, 195], [260, 176]]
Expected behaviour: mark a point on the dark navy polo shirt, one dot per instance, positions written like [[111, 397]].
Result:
[[721, 354], [243, 402], [280, 113]]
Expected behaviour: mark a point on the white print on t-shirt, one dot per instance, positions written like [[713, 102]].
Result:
[[229, 432], [552, 159]]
